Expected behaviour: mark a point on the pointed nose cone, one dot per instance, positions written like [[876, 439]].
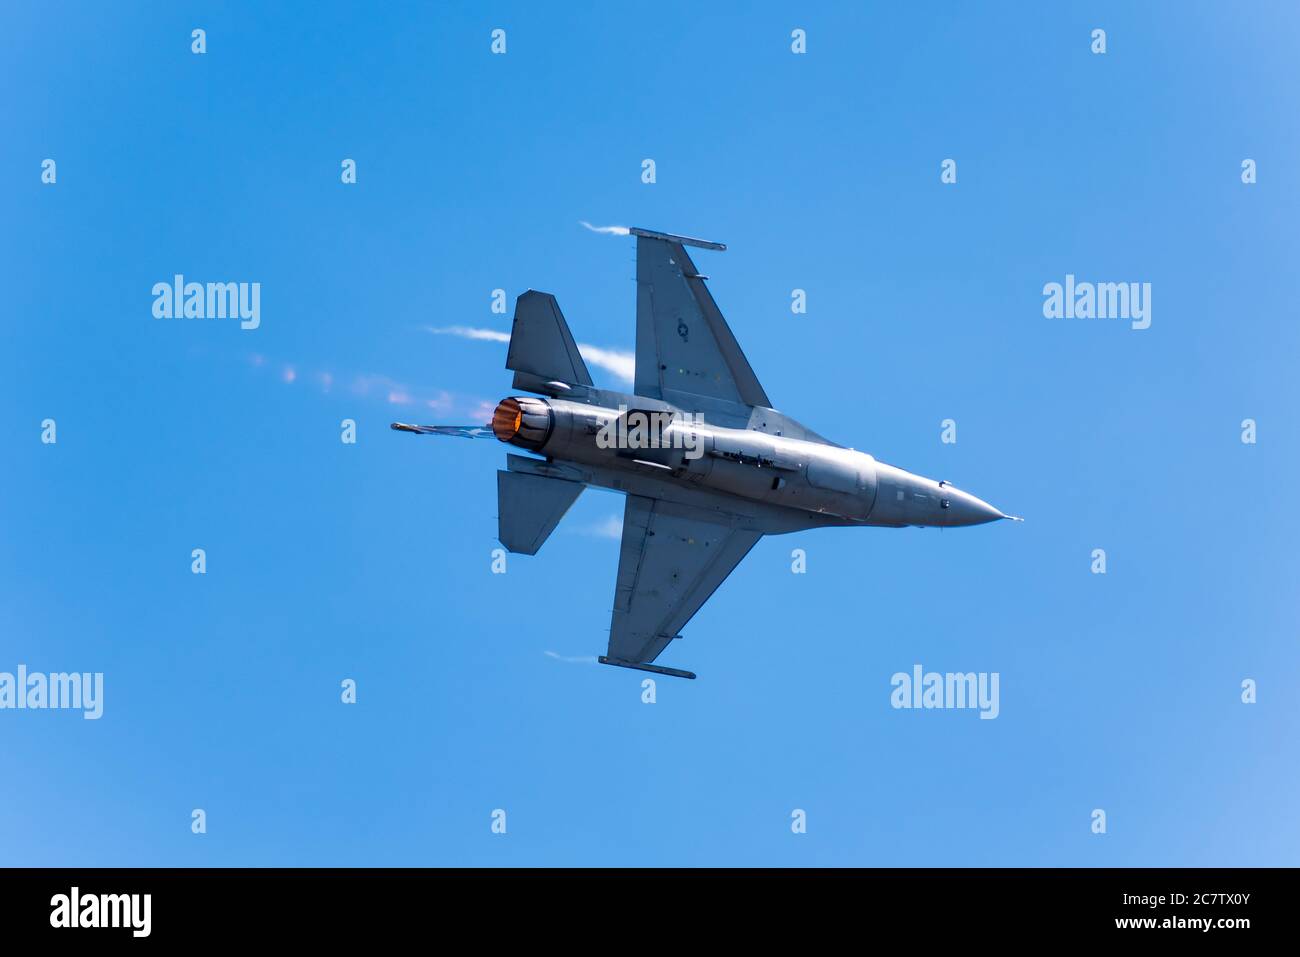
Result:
[[966, 509]]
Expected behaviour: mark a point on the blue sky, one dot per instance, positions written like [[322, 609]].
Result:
[[820, 171]]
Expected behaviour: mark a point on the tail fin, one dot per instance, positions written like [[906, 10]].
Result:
[[529, 507], [541, 344]]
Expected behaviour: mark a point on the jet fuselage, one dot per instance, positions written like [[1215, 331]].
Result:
[[706, 466], [615, 439]]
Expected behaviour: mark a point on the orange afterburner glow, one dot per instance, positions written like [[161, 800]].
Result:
[[506, 419]]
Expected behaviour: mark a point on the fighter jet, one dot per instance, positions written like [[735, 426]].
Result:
[[708, 466]]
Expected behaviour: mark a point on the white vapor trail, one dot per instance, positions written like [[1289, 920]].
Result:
[[607, 230], [620, 364], [469, 332], [611, 527], [379, 387], [617, 363], [572, 659]]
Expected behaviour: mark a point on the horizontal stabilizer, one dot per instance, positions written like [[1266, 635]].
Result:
[[529, 507], [541, 343]]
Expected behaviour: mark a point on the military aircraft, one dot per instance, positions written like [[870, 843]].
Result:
[[707, 465]]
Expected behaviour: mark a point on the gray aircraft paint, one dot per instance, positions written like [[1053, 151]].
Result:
[[697, 502]]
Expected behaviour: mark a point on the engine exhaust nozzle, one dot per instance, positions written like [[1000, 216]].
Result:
[[523, 421]]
